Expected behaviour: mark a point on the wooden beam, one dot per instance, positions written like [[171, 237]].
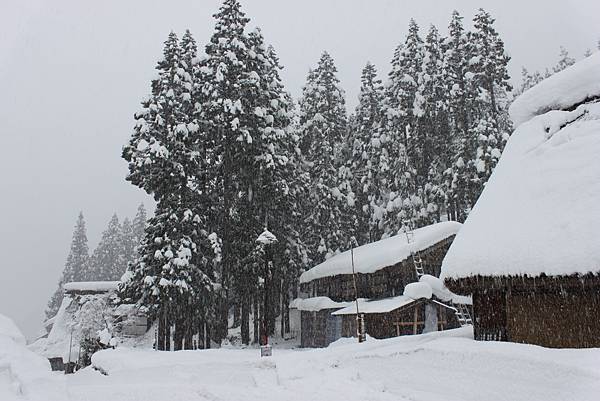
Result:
[[415, 320]]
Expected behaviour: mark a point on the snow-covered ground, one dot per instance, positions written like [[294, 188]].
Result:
[[445, 366], [436, 366]]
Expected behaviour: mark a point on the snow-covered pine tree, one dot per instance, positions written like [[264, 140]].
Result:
[[564, 60], [528, 80], [490, 82], [106, 262], [172, 269], [402, 115], [322, 129], [75, 267], [435, 140], [370, 161], [277, 181], [226, 98], [457, 53], [138, 224], [128, 242]]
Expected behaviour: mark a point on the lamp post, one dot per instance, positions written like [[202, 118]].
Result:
[[266, 239]]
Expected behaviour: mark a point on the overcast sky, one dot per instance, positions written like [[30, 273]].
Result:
[[72, 74]]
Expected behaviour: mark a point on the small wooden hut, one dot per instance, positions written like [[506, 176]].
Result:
[[529, 252], [398, 316]]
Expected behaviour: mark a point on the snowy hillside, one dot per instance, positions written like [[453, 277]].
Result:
[[539, 211], [437, 366]]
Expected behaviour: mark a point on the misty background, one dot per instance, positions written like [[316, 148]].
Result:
[[72, 74]]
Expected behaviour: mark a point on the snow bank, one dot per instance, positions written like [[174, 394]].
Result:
[[92, 286], [316, 304], [375, 256], [567, 88], [539, 213], [10, 330], [24, 375], [375, 306], [445, 365]]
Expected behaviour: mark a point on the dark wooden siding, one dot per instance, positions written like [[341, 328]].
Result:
[[385, 325], [561, 312], [568, 319]]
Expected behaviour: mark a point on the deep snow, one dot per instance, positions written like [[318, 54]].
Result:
[[446, 365], [437, 366]]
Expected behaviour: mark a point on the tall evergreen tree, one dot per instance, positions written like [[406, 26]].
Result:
[[76, 265], [128, 242], [403, 112], [370, 161], [138, 224], [458, 174], [107, 262], [489, 78], [173, 269], [227, 108], [322, 129]]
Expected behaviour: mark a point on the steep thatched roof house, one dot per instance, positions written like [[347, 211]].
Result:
[[529, 252], [383, 270]]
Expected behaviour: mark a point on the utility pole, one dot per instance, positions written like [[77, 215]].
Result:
[[360, 319]]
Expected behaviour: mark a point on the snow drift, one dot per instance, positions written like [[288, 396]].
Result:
[[24, 375]]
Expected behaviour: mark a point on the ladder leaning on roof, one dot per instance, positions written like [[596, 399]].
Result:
[[463, 314], [416, 255]]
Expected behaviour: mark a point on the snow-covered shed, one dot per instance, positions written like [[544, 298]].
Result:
[[383, 268], [425, 306], [318, 328], [85, 310], [529, 251]]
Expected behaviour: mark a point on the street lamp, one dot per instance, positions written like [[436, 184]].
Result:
[[266, 239]]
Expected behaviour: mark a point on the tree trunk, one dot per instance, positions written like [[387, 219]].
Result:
[[160, 338], [188, 335], [245, 320], [256, 316]]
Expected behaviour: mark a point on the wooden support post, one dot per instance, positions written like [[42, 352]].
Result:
[[415, 320]]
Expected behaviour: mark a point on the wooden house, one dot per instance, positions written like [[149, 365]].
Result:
[[397, 316], [529, 252], [383, 270]]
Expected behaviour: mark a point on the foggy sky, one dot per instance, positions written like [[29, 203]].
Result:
[[72, 73]]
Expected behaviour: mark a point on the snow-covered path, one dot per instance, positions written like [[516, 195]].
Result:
[[437, 366]]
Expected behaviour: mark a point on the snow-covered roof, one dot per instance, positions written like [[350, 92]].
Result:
[[560, 91], [375, 306], [539, 212], [316, 304], [77, 313], [92, 286], [387, 252], [440, 291], [266, 238]]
